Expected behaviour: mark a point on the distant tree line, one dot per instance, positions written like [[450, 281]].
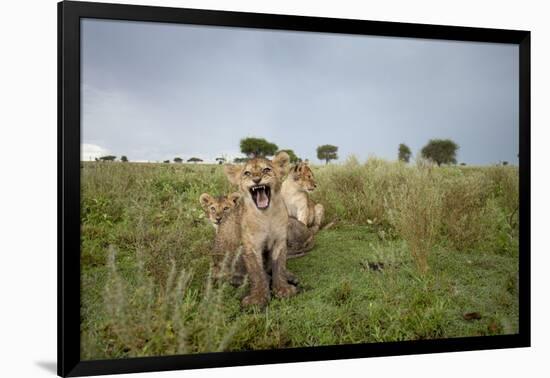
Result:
[[260, 147], [123, 158], [107, 158], [440, 151]]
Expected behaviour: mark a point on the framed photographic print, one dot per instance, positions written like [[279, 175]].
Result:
[[239, 188]]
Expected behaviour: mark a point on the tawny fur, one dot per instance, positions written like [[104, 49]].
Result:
[[299, 238], [228, 263], [216, 208], [262, 233], [227, 254], [295, 191]]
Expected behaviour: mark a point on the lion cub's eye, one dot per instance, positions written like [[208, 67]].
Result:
[[225, 208], [213, 209], [267, 170], [247, 173]]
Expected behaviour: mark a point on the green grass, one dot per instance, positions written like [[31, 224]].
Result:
[[145, 280]]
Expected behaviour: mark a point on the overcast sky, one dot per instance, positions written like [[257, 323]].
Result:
[[155, 91]]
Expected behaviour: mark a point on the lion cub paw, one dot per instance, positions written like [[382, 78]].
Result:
[[285, 291]]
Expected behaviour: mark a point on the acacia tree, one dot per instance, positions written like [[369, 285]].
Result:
[[108, 158], [404, 153], [124, 159], [178, 160], [441, 151], [256, 147], [291, 155], [194, 160], [220, 160], [327, 152]]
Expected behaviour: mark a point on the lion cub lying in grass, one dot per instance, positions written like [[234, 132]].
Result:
[[300, 239], [258, 227], [295, 190]]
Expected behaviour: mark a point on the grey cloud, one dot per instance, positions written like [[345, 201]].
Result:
[[155, 91]]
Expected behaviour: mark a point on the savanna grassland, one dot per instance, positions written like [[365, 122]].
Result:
[[416, 251]]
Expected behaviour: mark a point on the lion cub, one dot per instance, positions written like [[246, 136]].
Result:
[[260, 226], [299, 238], [218, 207], [295, 190]]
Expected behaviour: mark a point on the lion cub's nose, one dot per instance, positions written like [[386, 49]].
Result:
[[257, 180], [218, 219]]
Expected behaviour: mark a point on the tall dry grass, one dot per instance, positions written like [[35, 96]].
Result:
[[143, 319], [414, 209], [149, 207], [463, 208], [464, 203], [356, 193]]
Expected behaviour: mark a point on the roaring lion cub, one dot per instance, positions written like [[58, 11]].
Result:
[[299, 239], [259, 225], [295, 190]]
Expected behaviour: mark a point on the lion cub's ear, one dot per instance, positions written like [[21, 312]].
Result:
[[233, 173], [234, 197], [281, 162], [294, 171], [205, 199]]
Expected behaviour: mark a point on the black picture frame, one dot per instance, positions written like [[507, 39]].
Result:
[[69, 15]]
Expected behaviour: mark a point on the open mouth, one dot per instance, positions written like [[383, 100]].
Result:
[[261, 194]]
